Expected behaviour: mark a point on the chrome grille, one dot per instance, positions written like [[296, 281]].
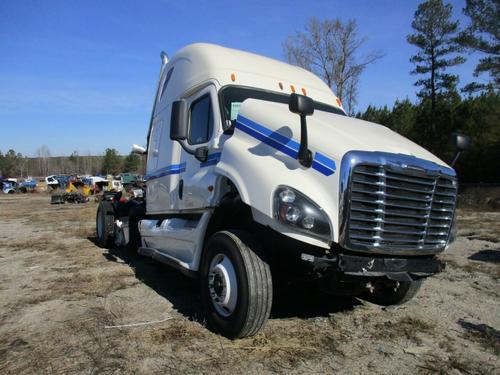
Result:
[[399, 208]]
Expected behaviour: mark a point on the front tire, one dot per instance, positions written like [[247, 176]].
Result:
[[395, 293], [236, 285]]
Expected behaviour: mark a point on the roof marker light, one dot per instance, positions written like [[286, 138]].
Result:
[[292, 87], [280, 85], [304, 91], [339, 102], [233, 77]]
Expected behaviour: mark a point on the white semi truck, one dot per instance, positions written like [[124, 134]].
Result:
[[254, 169]]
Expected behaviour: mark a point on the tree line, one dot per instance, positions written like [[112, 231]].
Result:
[[14, 164], [330, 48]]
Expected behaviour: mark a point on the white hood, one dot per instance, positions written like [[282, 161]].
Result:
[[261, 155], [331, 134]]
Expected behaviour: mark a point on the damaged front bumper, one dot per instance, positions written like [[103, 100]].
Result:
[[399, 269]]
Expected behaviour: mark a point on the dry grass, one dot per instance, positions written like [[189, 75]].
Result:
[[434, 364], [42, 243], [408, 327], [76, 285], [71, 297], [472, 267]]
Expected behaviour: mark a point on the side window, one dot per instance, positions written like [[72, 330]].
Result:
[[154, 145], [165, 83], [201, 121]]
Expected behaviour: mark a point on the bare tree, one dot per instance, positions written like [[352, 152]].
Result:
[[330, 49], [43, 153]]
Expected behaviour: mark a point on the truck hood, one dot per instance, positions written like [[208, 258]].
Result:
[[331, 134]]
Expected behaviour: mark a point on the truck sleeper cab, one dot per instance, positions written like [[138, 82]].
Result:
[[254, 170]]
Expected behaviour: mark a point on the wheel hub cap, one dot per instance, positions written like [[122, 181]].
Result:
[[222, 285]]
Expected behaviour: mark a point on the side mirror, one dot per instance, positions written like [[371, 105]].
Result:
[[179, 121], [303, 106], [300, 104], [461, 143], [136, 149]]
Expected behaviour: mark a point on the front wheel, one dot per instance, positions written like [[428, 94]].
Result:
[[393, 293], [236, 285]]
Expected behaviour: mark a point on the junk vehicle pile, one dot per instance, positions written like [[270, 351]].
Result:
[[77, 189], [73, 188], [254, 170], [12, 186]]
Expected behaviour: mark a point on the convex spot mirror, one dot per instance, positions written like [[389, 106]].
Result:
[[460, 141], [179, 121], [301, 105]]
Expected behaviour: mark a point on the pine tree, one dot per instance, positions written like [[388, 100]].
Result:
[[111, 163], [483, 35], [132, 163], [435, 37]]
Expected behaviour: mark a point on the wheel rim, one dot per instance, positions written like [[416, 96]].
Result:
[[222, 285], [100, 229]]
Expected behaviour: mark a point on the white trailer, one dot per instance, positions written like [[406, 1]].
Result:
[[253, 166]]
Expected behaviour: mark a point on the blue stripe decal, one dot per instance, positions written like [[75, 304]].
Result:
[[284, 144], [288, 146], [171, 169], [212, 159], [324, 164]]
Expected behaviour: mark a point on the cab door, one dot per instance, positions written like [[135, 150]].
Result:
[[195, 187]]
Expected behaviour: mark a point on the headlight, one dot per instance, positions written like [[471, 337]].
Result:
[[296, 210]]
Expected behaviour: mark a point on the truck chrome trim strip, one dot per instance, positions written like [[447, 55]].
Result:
[[395, 204], [288, 146], [165, 171]]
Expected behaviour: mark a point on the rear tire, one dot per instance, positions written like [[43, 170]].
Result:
[[105, 225], [236, 285], [135, 215], [394, 293]]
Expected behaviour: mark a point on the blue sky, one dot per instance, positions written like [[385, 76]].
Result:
[[81, 75]]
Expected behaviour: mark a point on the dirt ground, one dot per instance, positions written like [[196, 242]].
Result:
[[62, 298]]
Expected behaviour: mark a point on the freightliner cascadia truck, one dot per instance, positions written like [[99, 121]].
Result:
[[254, 170]]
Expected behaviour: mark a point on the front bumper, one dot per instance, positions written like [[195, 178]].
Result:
[[400, 269]]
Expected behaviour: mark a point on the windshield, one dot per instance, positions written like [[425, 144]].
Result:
[[233, 96]]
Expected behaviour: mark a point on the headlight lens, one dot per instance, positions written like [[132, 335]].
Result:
[[296, 210]]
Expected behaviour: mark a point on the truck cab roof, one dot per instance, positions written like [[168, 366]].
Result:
[[200, 63]]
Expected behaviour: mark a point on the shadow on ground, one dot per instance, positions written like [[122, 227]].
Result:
[[289, 300], [492, 256]]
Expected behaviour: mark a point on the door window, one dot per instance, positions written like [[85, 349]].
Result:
[[201, 121]]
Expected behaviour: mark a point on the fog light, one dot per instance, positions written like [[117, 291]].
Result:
[[308, 222]]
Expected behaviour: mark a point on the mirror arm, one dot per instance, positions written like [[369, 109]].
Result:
[[457, 155], [305, 155], [201, 153]]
